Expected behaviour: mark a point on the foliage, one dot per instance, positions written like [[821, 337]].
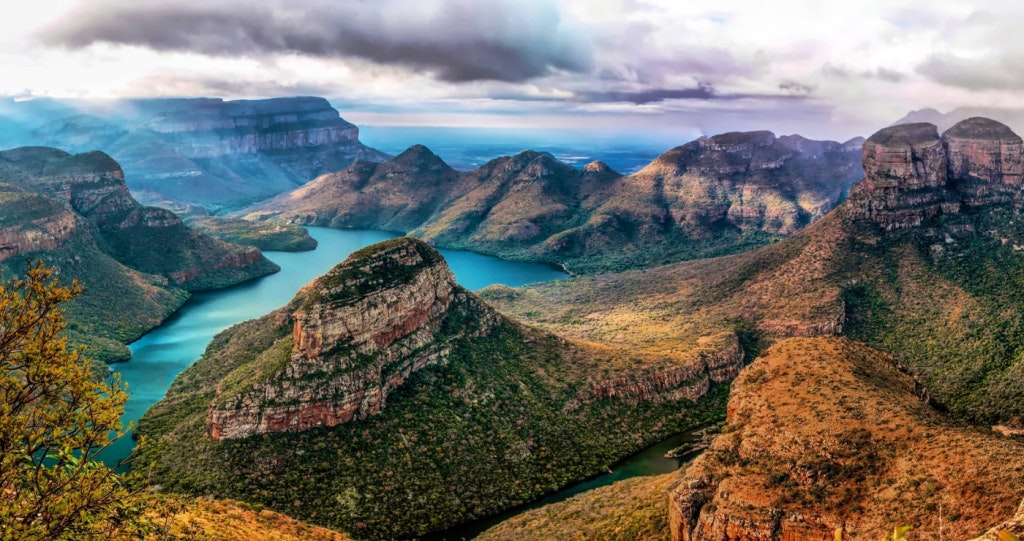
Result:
[[56, 416], [499, 425], [267, 236]]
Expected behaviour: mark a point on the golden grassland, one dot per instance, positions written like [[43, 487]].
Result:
[[629, 510]]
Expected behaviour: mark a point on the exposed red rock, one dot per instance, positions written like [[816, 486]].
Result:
[[362, 330]]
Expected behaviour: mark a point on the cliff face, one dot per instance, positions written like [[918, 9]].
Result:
[[912, 174], [827, 433], [709, 197], [362, 330], [213, 152], [75, 212]]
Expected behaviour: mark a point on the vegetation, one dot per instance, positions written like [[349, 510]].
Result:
[[629, 510], [500, 424], [267, 236], [56, 416]]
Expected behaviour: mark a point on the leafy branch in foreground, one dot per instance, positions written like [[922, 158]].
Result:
[[56, 416]]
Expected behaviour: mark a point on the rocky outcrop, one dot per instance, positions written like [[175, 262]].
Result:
[[360, 332], [827, 433], [912, 174], [719, 360], [694, 201], [986, 161]]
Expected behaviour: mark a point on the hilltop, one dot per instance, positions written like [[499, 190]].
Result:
[[713, 196]]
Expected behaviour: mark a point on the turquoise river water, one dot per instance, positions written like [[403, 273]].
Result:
[[162, 354]]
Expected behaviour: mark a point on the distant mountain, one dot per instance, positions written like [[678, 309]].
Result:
[[709, 197], [1014, 118], [75, 213], [219, 154], [387, 401]]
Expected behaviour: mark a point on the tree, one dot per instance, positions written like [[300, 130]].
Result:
[[56, 415]]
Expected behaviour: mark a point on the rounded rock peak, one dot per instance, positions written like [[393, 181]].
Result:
[[905, 134], [596, 166], [395, 248], [981, 128]]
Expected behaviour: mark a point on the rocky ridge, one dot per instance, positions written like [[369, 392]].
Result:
[[708, 197]]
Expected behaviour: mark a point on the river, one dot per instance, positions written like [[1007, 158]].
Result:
[[163, 353]]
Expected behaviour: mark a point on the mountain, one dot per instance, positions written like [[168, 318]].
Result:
[[75, 213], [206, 151], [1014, 118], [709, 197], [387, 401], [921, 270]]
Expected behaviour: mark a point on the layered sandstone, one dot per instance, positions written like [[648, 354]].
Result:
[[360, 332], [828, 433], [912, 174]]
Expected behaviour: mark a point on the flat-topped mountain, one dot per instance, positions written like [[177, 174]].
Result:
[[712, 196], [384, 379], [209, 151], [75, 213]]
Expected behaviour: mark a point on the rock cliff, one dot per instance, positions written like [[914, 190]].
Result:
[[712, 196], [363, 329], [827, 433], [209, 151], [912, 174], [75, 212]]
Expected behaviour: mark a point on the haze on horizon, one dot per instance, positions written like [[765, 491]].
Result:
[[832, 70]]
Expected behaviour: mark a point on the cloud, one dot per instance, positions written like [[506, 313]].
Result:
[[455, 40], [653, 95], [1001, 72]]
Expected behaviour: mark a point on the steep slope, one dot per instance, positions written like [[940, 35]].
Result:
[[709, 197], [388, 401], [75, 212], [922, 261], [827, 433], [209, 151], [223, 520], [628, 510]]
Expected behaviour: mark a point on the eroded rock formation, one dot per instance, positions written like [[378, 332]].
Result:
[[912, 174], [360, 332]]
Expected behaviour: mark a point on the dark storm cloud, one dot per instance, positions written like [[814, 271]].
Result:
[[652, 95], [456, 40], [881, 74]]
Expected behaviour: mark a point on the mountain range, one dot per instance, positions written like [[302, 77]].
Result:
[[713, 196], [198, 154]]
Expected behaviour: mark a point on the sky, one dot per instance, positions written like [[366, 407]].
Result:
[[822, 69]]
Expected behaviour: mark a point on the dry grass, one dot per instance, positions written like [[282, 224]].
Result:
[[629, 510], [203, 519], [827, 430]]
